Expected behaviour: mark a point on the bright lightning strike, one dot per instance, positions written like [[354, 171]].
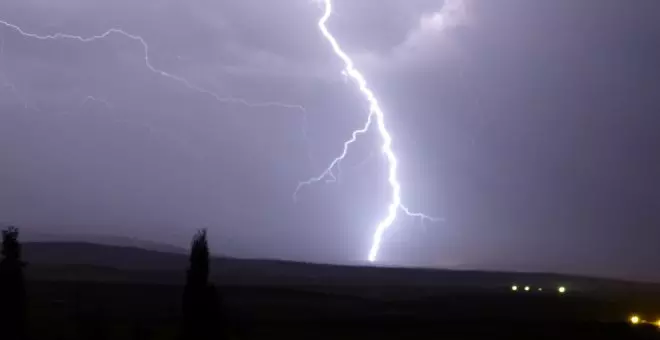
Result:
[[147, 62], [374, 112]]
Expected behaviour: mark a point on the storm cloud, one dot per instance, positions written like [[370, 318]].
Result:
[[529, 126]]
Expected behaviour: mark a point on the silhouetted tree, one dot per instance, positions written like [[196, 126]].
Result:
[[12, 288], [199, 299]]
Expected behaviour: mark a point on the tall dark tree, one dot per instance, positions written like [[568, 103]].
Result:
[[12, 288], [199, 300]]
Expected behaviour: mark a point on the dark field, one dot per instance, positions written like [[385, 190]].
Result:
[[266, 299], [121, 310]]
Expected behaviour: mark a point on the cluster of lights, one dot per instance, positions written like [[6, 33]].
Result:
[[560, 289], [636, 320], [633, 319]]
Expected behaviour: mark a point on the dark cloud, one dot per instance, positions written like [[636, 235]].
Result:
[[530, 126]]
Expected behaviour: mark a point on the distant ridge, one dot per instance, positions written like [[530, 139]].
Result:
[[101, 255], [109, 240], [82, 261]]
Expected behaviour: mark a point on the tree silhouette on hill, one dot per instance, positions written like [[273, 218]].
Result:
[[12, 288], [199, 298]]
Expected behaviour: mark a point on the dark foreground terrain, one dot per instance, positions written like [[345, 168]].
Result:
[[101, 292]]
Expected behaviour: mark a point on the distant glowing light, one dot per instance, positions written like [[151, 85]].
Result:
[[634, 319], [540, 289], [527, 288], [514, 288], [561, 290]]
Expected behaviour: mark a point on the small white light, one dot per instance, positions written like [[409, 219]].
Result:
[[527, 288], [561, 290], [540, 289], [634, 319], [514, 288]]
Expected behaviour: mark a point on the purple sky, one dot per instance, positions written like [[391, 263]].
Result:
[[531, 127]]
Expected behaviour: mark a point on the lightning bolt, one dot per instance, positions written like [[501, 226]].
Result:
[[147, 62], [328, 171], [375, 113], [149, 65], [94, 99]]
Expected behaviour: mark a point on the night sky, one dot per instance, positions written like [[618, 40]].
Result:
[[530, 127]]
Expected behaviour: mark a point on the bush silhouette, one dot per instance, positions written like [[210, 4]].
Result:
[[12, 288]]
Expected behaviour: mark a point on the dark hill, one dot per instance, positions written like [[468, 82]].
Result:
[[124, 284], [124, 258], [86, 261]]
